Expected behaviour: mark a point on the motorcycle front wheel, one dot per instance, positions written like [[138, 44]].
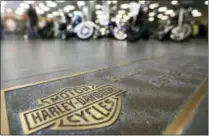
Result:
[[181, 33], [85, 32], [119, 34]]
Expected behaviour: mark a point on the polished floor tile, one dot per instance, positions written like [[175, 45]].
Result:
[[26, 61]]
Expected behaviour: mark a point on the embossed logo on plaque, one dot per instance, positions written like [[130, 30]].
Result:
[[80, 108]]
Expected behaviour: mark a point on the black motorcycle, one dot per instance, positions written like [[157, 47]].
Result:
[[47, 31], [65, 28], [112, 30], [65, 31], [137, 26]]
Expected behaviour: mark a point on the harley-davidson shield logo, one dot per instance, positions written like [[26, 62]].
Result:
[[79, 108]]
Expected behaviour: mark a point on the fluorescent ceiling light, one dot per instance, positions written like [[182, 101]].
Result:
[[98, 6], [43, 7], [79, 13], [61, 12], [174, 2], [153, 6], [118, 16], [68, 8], [150, 19], [101, 16], [39, 11], [49, 15], [51, 4], [162, 9], [85, 9], [121, 11], [196, 13], [19, 12], [24, 5], [126, 18], [151, 14], [46, 8], [99, 12], [37, 8], [173, 14], [141, 1], [124, 6], [159, 15], [19, 9], [164, 17], [108, 2], [81, 3], [206, 2], [114, 1], [55, 13], [169, 12], [29, 2]]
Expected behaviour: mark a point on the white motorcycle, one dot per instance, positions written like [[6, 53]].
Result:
[[183, 30], [117, 31], [85, 30]]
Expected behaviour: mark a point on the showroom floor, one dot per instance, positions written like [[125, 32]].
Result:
[[159, 78], [25, 61]]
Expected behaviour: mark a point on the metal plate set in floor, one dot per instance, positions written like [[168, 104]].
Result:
[[139, 98]]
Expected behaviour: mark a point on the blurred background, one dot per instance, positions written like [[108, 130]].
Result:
[[121, 20]]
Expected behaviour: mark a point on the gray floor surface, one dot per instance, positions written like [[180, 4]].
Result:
[[26, 61]]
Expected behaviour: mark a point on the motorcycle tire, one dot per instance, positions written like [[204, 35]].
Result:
[[180, 34], [141, 32], [85, 32], [119, 34]]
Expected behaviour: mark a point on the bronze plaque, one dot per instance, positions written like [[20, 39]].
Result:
[[81, 108]]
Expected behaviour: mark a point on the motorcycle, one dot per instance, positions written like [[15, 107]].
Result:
[[46, 29], [183, 29], [164, 31], [85, 30], [138, 25], [118, 31], [77, 27], [67, 25], [111, 30], [65, 31]]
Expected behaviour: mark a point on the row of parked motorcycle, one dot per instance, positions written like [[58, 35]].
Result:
[[84, 30], [177, 28]]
